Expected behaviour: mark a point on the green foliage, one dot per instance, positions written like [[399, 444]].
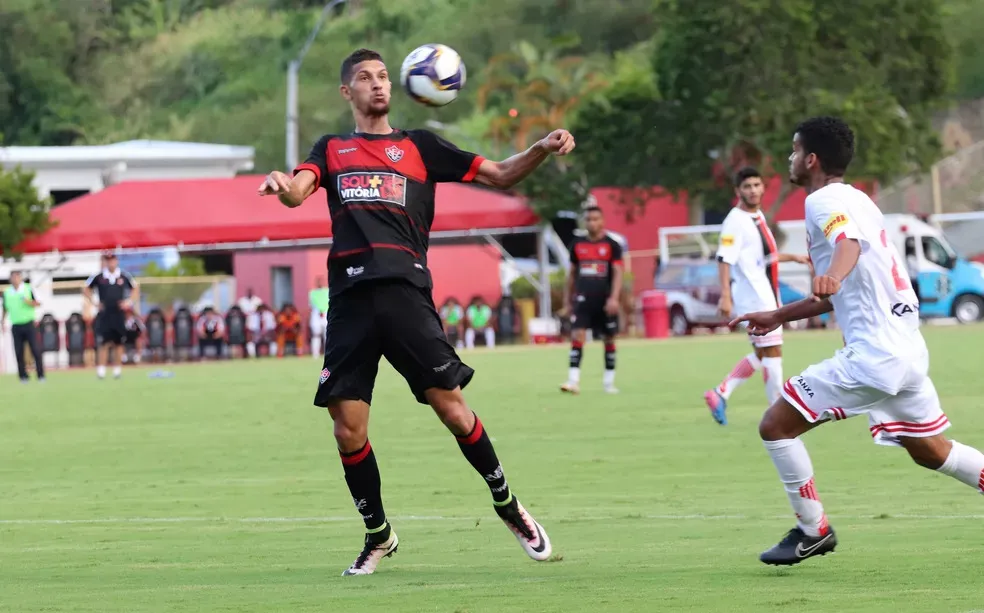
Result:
[[22, 212], [736, 77], [186, 267], [962, 22], [682, 79]]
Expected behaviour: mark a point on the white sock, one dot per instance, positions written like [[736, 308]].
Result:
[[273, 349], [965, 464], [608, 379], [470, 338], [101, 372], [490, 337], [117, 371], [742, 372], [251, 349], [796, 473], [316, 345], [772, 373], [574, 375]]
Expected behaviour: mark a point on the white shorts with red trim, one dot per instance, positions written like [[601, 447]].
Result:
[[829, 391], [772, 339]]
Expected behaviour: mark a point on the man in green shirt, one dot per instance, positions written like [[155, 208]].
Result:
[[318, 300], [19, 305], [453, 315], [479, 320]]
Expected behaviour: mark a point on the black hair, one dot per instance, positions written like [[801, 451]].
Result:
[[748, 172], [355, 58], [831, 140], [593, 208]]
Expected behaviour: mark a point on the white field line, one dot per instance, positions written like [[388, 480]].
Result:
[[443, 518]]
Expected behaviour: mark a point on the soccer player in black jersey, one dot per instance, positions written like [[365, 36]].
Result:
[[380, 185], [591, 296]]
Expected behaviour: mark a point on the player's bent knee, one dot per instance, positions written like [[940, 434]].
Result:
[[781, 421]]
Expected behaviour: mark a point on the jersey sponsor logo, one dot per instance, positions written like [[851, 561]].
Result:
[[833, 222], [593, 269], [727, 240], [347, 150], [900, 308], [372, 187], [354, 271], [394, 153]]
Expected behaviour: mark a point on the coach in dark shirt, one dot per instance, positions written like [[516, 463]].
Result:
[[117, 294]]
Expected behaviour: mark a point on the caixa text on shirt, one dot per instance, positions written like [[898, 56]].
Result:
[[900, 308], [372, 187]]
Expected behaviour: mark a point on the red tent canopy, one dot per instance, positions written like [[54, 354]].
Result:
[[222, 211]]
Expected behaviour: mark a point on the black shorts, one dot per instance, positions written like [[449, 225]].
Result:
[[111, 328], [391, 319], [589, 314]]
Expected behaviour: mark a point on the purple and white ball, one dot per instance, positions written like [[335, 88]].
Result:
[[433, 74]]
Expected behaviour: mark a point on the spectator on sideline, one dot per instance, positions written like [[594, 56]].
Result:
[[249, 303], [133, 343], [290, 329], [453, 317], [262, 326], [479, 320], [318, 301], [18, 304], [211, 333]]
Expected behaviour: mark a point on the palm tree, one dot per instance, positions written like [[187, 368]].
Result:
[[540, 87]]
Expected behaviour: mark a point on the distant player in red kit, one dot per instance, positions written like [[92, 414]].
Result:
[[380, 185], [591, 296], [880, 373]]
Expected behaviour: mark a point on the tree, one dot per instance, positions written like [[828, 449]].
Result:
[[736, 77], [22, 212], [529, 92]]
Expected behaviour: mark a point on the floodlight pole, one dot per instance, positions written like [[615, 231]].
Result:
[[292, 97]]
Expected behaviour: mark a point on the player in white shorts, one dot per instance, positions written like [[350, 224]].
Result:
[[748, 264], [882, 370]]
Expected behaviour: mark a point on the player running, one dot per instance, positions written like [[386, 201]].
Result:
[[747, 255], [593, 286], [882, 370], [380, 185]]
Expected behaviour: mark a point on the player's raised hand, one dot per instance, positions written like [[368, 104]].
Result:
[[759, 324], [558, 142], [824, 287], [276, 183]]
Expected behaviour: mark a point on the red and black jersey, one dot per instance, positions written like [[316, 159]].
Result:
[[381, 201], [593, 263], [112, 288]]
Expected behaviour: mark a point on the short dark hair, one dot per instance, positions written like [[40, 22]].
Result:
[[831, 140], [355, 58], [593, 208], [748, 172]]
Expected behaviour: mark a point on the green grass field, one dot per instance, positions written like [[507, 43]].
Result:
[[220, 490]]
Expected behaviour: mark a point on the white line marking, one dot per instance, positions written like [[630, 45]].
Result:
[[440, 518]]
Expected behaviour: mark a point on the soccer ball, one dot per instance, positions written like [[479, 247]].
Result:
[[433, 74]]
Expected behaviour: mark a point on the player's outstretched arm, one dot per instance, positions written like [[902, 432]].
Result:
[[509, 172], [291, 191], [763, 322], [788, 257]]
